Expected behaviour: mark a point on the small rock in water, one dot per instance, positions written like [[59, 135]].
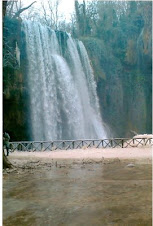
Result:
[[130, 165]]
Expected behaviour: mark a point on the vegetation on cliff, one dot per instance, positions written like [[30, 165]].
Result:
[[117, 36], [14, 104]]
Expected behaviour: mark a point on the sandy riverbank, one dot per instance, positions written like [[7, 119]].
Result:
[[84, 155]]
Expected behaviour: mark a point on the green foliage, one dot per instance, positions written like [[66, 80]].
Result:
[[13, 83]]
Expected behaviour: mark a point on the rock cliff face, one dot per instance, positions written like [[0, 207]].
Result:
[[124, 89], [15, 105]]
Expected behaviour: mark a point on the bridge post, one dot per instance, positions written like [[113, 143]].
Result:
[[41, 146], [144, 141], [73, 144], [93, 143], [102, 143], [122, 143], [32, 146], [111, 142], [63, 144]]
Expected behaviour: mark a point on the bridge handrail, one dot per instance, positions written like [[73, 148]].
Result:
[[80, 143], [72, 140]]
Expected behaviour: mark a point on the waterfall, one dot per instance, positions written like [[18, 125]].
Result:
[[63, 99]]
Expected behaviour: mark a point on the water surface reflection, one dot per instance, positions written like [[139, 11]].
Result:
[[78, 194]]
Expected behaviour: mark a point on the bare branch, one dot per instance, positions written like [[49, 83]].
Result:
[[17, 14], [11, 8], [51, 8], [44, 12]]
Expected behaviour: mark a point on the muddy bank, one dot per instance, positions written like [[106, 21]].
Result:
[[108, 193], [66, 158]]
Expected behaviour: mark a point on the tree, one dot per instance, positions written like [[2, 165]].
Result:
[[15, 8], [17, 14], [51, 16], [4, 7], [83, 19]]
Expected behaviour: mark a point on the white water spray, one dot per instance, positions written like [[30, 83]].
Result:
[[63, 99]]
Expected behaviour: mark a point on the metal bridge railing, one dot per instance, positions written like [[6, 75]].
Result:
[[76, 144]]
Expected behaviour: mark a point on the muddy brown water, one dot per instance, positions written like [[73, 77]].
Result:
[[103, 193]]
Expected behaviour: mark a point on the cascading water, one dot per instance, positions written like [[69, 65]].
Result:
[[63, 99]]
